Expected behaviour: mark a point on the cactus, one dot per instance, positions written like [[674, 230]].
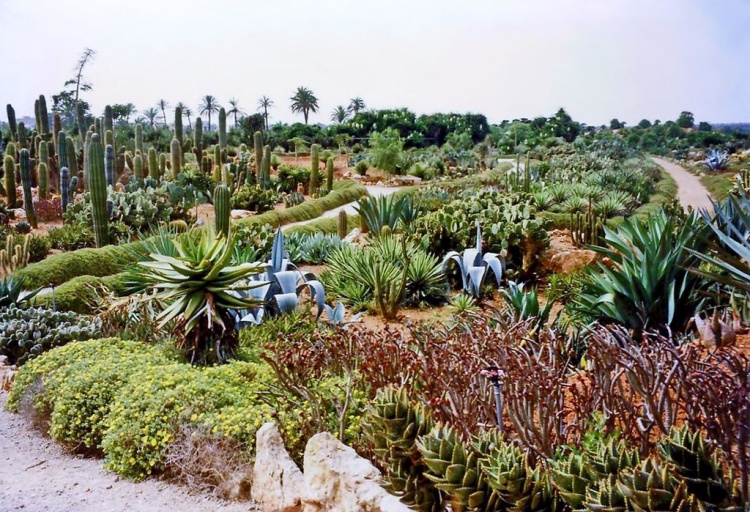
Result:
[[216, 174], [64, 188], [217, 155], [109, 120], [63, 156], [109, 138], [222, 128], [178, 226], [243, 148], [81, 120], [221, 208], [175, 158], [342, 227], [178, 124], [98, 126], [51, 161], [139, 139], [23, 142], [162, 165], [138, 167], [10, 180], [14, 256], [56, 129], [43, 181], [28, 204], [153, 164], [109, 164], [315, 155], [34, 149], [37, 116], [12, 122], [258, 148], [329, 173], [265, 168], [43, 154], [98, 188], [198, 139], [586, 229], [72, 160], [206, 165]]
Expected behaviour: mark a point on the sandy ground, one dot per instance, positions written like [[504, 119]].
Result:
[[37, 475], [690, 191]]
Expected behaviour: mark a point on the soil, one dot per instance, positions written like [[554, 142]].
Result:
[[37, 474]]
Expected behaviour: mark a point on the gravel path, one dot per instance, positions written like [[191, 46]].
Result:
[[37, 475], [690, 190]]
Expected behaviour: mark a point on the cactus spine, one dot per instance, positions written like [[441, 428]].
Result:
[[329, 173], [153, 164], [138, 166], [12, 122], [342, 226], [64, 188], [315, 154], [175, 159], [258, 147], [222, 128], [221, 208], [43, 181], [178, 124], [139, 139], [265, 167], [10, 180], [28, 204], [109, 164], [198, 142], [98, 188]]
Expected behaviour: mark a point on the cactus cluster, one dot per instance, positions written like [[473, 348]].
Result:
[[586, 228], [14, 256]]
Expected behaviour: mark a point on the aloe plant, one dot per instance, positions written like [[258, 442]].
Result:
[[474, 266]]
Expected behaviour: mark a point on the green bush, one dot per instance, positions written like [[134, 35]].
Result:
[[39, 247], [253, 198], [82, 294], [290, 176], [71, 237], [26, 333]]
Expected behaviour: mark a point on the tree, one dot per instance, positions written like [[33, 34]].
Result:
[[209, 106], [645, 123], [235, 110], [616, 124], [187, 112], [385, 149], [163, 106], [123, 111], [686, 119], [339, 114], [264, 103], [87, 56], [355, 105], [704, 127], [151, 114], [65, 105], [564, 126], [304, 101]]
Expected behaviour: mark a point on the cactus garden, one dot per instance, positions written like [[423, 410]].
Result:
[[529, 314]]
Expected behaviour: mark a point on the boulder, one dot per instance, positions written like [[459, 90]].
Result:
[[240, 214], [337, 479], [571, 260], [353, 235], [277, 481]]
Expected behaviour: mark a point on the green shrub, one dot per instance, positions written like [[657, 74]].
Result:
[[83, 294], [253, 198], [71, 237], [290, 176], [26, 333], [39, 247]]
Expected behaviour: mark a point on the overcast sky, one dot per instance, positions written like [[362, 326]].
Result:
[[599, 59]]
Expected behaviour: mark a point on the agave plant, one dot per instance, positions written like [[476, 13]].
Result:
[[199, 290], [524, 305], [337, 316], [392, 210], [11, 292], [474, 266], [716, 160]]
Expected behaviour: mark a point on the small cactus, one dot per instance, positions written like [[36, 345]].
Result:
[[138, 167], [342, 227], [109, 138], [178, 226], [109, 164], [98, 188], [9, 166], [28, 204], [162, 165], [221, 208]]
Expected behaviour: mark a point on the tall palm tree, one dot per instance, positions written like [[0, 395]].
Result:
[[163, 106], [235, 110], [339, 114], [139, 120], [209, 105], [355, 105], [304, 101], [151, 114], [264, 103], [187, 112], [128, 111]]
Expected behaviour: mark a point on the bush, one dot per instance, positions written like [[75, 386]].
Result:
[[312, 249], [39, 247], [26, 333], [83, 294], [47, 210], [253, 198], [71, 237], [361, 167]]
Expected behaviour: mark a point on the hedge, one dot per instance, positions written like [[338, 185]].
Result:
[[80, 293]]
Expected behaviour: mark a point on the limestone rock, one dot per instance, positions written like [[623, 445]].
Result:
[[569, 261], [240, 214], [353, 235], [277, 481], [337, 479]]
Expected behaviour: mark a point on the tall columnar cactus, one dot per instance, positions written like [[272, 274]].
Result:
[[98, 189], [217, 155], [222, 128], [153, 164], [43, 181], [109, 119], [342, 227], [9, 166], [62, 150], [43, 115], [109, 165], [34, 149], [258, 148], [162, 165], [265, 168], [37, 116], [23, 143], [86, 158], [221, 208], [175, 157], [43, 153], [10, 149], [72, 160], [315, 154], [198, 139], [56, 129], [81, 120], [178, 124], [329, 173], [216, 173], [51, 165], [109, 138], [12, 122], [64, 188], [139, 138], [28, 204], [138, 167]]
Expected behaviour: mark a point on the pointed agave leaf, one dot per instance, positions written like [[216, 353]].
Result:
[[286, 302], [318, 294], [287, 280]]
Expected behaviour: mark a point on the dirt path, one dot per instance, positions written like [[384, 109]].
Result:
[[37, 475], [690, 191]]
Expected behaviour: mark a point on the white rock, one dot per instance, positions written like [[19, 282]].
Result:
[[353, 235], [337, 479], [240, 214], [19, 214], [277, 481]]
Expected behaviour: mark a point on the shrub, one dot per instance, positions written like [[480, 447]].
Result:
[[47, 210], [361, 167], [39, 247], [26, 333], [394, 211], [83, 294], [312, 249], [253, 198], [290, 176], [71, 237]]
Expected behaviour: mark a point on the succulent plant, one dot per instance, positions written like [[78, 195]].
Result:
[[474, 266], [222, 128], [222, 197], [9, 168], [314, 169], [175, 155], [342, 227], [651, 486], [716, 160], [198, 139], [572, 477], [258, 149], [28, 204], [98, 189], [178, 124]]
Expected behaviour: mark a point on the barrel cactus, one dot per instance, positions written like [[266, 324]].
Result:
[[28, 202], [221, 208], [98, 189], [9, 166]]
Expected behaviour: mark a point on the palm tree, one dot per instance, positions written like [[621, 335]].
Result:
[[339, 114], [139, 120], [264, 104], [163, 106], [128, 111], [151, 114], [209, 105], [235, 110], [304, 101], [187, 113], [355, 105]]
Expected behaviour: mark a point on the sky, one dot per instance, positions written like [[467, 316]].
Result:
[[598, 59]]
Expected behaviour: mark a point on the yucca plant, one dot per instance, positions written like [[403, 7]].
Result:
[[474, 266], [649, 284], [575, 204], [11, 289], [394, 211], [613, 203], [196, 287]]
